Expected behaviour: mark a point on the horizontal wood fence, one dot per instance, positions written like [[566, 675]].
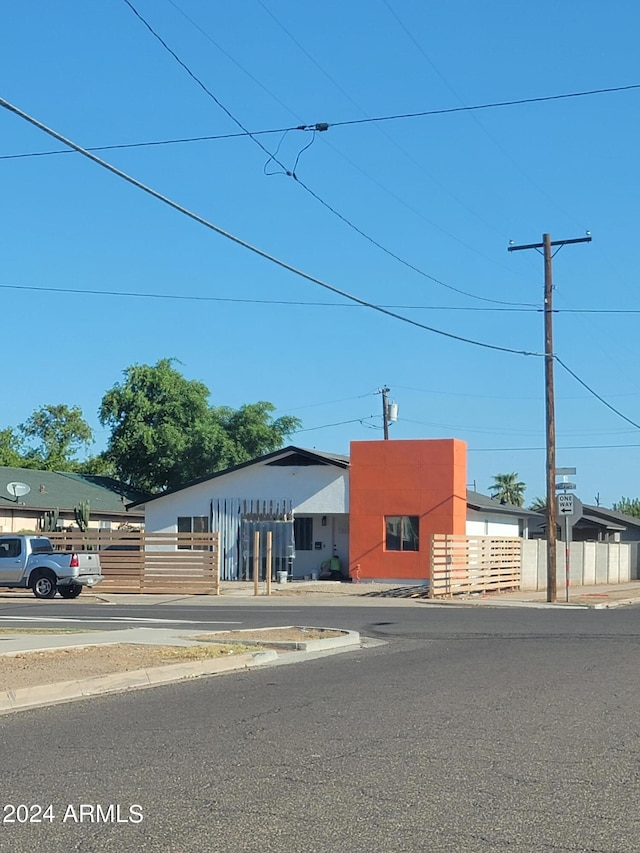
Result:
[[160, 563], [465, 564]]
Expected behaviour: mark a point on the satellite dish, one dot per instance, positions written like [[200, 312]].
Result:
[[18, 489]]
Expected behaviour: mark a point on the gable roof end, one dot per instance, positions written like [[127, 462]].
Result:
[[313, 456]]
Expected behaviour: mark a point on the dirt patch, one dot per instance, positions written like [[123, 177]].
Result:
[[29, 669], [274, 635]]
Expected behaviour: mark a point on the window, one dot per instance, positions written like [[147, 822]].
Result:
[[10, 548], [193, 524], [40, 546], [401, 533], [303, 534]]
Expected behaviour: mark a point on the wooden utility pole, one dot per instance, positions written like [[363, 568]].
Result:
[[385, 412], [546, 245]]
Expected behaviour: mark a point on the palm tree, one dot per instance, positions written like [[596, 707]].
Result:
[[538, 504], [508, 489]]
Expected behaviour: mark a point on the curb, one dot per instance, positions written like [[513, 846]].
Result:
[[349, 638], [65, 691], [537, 605], [606, 605]]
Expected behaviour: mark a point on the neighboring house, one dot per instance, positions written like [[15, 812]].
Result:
[[374, 510], [487, 516], [42, 492], [596, 524]]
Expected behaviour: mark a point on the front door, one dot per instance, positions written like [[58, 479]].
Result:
[[11, 560]]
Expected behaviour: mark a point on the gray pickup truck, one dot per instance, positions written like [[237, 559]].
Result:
[[29, 562]]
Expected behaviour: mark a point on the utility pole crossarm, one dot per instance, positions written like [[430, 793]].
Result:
[[586, 239]]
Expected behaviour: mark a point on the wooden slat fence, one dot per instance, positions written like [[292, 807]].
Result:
[[160, 563], [465, 564]]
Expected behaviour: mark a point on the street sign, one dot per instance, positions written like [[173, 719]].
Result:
[[564, 472], [565, 487], [565, 504]]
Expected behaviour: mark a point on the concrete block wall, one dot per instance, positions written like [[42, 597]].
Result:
[[591, 563]]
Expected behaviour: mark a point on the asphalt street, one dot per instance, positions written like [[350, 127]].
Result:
[[467, 729]]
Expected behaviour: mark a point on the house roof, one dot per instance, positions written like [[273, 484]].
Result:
[[64, 490], [610, 525], [475, 500], [306, 456], [312, 457], [609, 519], [610, 516]]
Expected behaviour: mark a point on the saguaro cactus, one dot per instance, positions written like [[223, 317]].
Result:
[[81, 513], [49, 521]]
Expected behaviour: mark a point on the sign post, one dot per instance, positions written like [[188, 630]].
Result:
[[566, 507]]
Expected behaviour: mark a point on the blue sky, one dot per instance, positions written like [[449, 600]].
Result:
[[444, 193]]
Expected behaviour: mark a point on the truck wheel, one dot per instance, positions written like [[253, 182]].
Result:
[[70, 590], [43, 584]]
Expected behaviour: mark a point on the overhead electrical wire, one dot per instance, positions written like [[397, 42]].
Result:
[[323, 125], [250, 247], [478, 123], [487, 106], [563, 447], [595, 393], [338, 151], [292, 174], [85, 291], [149, 144], [338, 423], [283, 264], [185, 297], [392, 141], [138, 294]]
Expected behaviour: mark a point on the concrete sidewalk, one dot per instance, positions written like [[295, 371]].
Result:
[[318, 593], [377, 594], [600, 597]]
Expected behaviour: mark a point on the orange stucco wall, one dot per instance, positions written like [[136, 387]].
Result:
[[427, 478]]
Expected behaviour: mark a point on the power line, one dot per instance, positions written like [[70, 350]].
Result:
[[290, 173], [306, 303], [563, 447], [337, 151], [491, 396], [239, 241], [338, 423], [231, 58], [595, 393], [84, 291], [479, 124], [152, 143], [323, 126], [488, 106], [326, 402]]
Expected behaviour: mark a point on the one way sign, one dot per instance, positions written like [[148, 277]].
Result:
[[565, 504]]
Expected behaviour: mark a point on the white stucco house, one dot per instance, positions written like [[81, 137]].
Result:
[[487, 516], [302, 496]]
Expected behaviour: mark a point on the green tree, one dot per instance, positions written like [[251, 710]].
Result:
[[629, 506], [252, 431], [100, 465], [538, 504], [508, 489], [60, 432], [164, 433], [10, 449]]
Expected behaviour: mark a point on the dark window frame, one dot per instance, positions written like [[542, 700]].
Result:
[[402, 536], [303, 533], [194, 521]]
